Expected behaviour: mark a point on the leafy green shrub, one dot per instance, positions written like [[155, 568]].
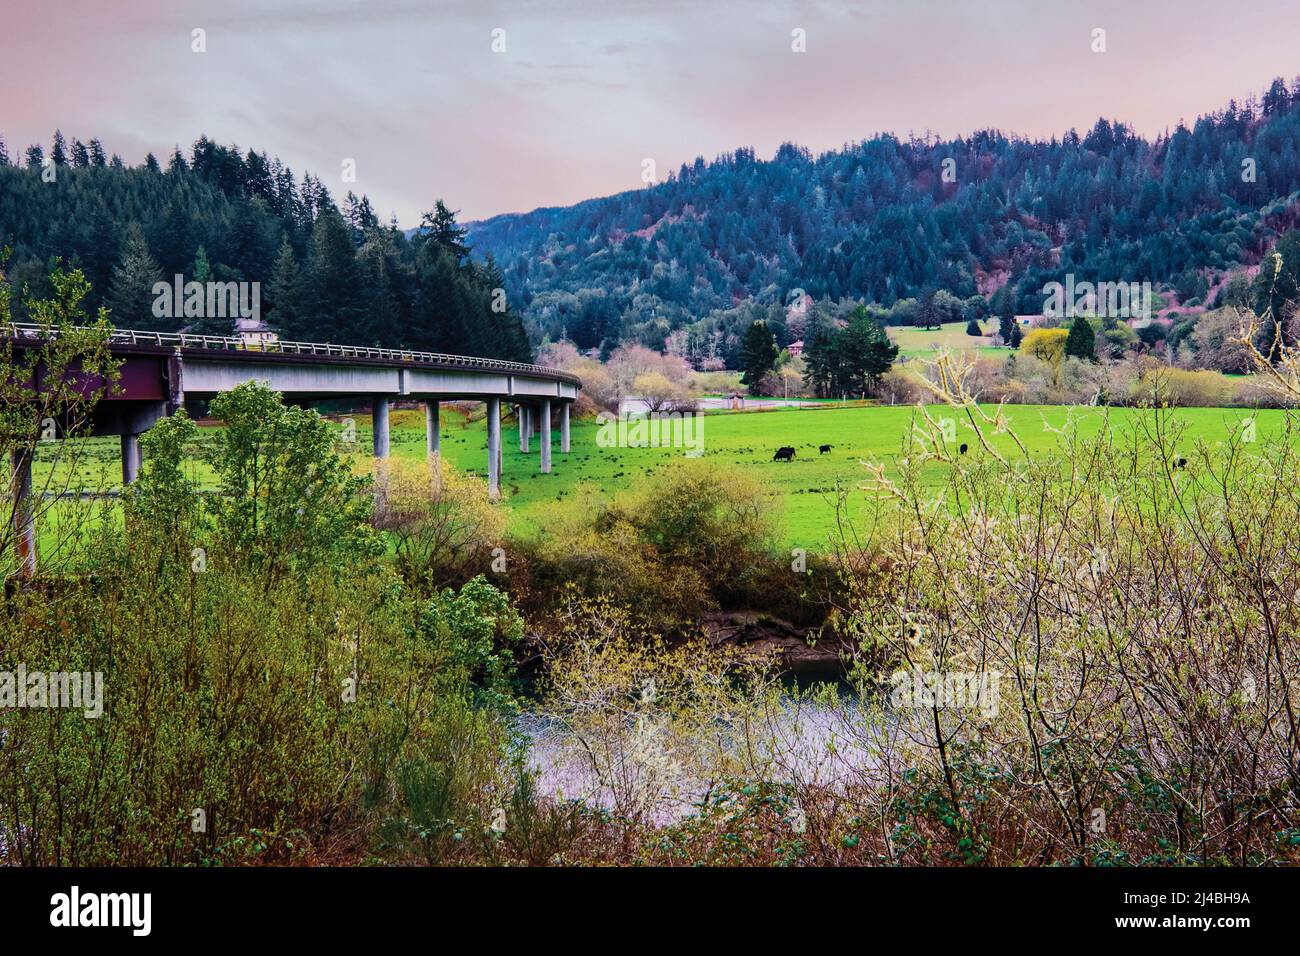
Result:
[[443, 525], [479, 629], [271, 688], [288, 501], [699, 533]]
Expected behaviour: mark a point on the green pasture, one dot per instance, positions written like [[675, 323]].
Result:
[[918, 343], [804, 490]]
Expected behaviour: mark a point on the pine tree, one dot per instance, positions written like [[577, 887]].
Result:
[[202, 271], [385, 281], [820, 365], [1082, 340], [58, 150], [282, 294], [758, 355], [864, 354], [359, 216], [437, 320], [80, 155], [131, 295], [509, 340], [331, 281], [928, 313], [439, 226], [1006, 309]]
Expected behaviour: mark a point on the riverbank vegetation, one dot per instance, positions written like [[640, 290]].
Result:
[[1068, 645], [279, 688]]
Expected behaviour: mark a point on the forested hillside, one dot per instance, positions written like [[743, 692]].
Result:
[[326, 273], [685, 265], [879, 221]]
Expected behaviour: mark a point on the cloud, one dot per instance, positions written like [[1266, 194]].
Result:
[[585, 90]]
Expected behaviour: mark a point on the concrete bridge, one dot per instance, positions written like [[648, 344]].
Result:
[[160, 370]]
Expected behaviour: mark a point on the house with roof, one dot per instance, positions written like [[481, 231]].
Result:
[[254, 332]]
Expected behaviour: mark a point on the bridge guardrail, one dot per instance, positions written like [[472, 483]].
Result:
[[32, 330]]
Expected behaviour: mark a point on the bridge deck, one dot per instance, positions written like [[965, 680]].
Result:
[[160, 369], [138, 342]]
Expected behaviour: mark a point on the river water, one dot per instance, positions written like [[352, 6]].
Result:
[[667, 771]]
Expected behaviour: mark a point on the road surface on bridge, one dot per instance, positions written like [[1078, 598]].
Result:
[[160, 371]]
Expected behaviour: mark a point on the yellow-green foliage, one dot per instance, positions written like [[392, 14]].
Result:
[[1046, 345], [442, 523], [260, 706], [709, 515], [653, 725], [1191, 388], [667, 550], [1135, 599]]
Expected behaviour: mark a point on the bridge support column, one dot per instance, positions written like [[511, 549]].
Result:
[[130, 458], [494, 446], [432, 429], [24, 512], [522, 413], [546, 437], [379, 422], [564, 427], [175, 382]]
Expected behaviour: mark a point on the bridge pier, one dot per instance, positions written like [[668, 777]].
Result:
[[432, 428], [522, 413], [546, 437], [129, 420], [494, 446], [130, 458], [175, 378], [379, 423], [24, 511], [160, 369]]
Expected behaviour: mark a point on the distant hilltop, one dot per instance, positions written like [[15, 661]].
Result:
[[887, 219]]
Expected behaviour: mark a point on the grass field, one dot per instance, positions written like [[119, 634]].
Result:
[[804, 490], [926, 343], [805, 487]]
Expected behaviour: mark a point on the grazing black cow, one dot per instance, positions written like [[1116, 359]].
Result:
[[824, 449], [962, 450], [784, 453]]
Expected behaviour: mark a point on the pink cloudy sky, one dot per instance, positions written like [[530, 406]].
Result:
[[585, 91]]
